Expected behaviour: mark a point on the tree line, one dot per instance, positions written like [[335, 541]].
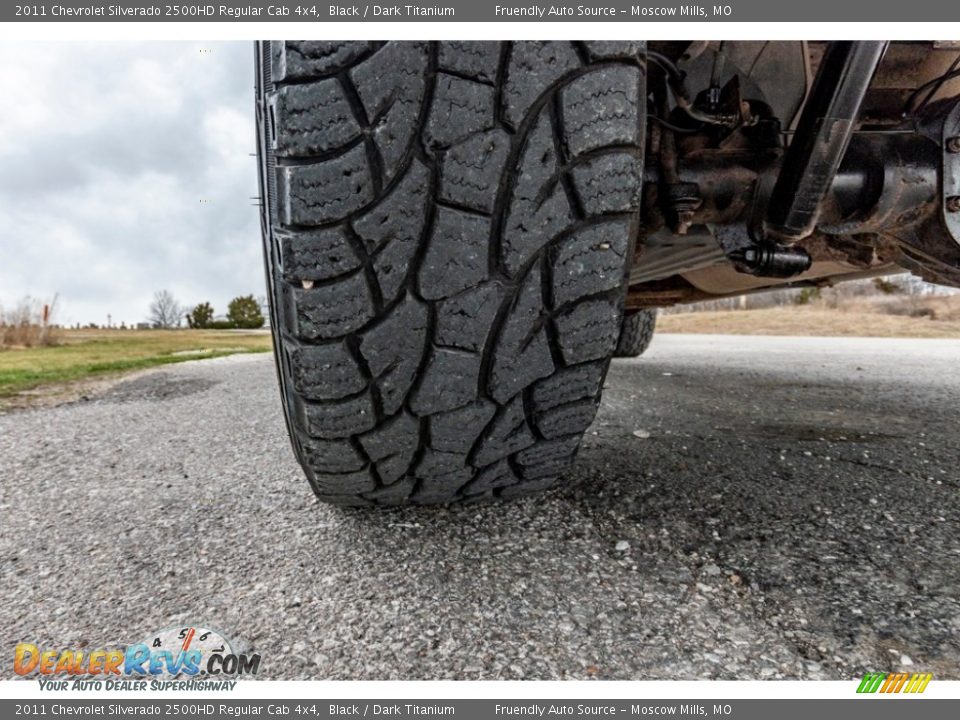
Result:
[[243, 312]]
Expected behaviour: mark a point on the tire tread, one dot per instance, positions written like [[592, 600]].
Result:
[[450, 224]]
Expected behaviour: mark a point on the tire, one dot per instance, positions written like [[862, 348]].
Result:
[[446, 229], [636, 333]]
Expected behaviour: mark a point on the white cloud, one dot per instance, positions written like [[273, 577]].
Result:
[[104, 161]]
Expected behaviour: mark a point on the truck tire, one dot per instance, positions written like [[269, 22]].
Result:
[[447, 228], [636, 333]]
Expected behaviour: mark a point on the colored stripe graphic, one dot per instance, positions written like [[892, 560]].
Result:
[[921, 682], [894, 683], [871, 682], [900, 681], [889, 682]]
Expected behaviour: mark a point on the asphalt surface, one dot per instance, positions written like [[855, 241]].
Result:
[[789, 509]]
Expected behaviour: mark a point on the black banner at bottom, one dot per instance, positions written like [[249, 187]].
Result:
[[873, 707]]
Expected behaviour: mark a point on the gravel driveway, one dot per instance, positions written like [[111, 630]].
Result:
[[741, 508]]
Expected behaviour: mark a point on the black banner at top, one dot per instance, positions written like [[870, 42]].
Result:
[[616, 11]]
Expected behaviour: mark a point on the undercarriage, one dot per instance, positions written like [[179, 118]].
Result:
[[461, 235], [792, 164]]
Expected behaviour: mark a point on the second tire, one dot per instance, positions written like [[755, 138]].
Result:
[[636, 333]]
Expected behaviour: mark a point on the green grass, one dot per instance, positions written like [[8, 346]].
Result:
[[85, 354]]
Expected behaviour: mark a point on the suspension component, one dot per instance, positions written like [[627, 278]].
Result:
[[826, 125], [882, 195]]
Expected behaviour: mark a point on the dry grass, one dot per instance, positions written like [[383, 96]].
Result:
[[884, 316], [28, 325], [942, 308]]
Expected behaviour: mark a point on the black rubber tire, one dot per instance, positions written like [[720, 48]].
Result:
[[636, 333], [447, 228]]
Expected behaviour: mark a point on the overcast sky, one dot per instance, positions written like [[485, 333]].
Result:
[[106, 152]]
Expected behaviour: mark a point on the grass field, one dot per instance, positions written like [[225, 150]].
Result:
[[85, 354], [81, 358]]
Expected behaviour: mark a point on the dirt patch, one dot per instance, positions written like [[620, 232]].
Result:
[[61, 393], [156, 386]]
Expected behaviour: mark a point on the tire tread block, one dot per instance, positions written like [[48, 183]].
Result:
[[317, 118], [392, 446], [590, 261], [303, 59], [393, 350], [325, 192], [507, 434], [325, 372], [522, 354]]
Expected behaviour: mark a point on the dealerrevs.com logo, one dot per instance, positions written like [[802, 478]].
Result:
[[177, 658]]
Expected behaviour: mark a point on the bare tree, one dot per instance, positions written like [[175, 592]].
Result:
[[165, 311]]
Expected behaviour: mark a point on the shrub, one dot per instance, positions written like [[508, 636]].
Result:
[[201, 316], [244, 312], [886, 286], [807, 295]]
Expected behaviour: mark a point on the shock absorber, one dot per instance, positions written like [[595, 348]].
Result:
[[823, 134]]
